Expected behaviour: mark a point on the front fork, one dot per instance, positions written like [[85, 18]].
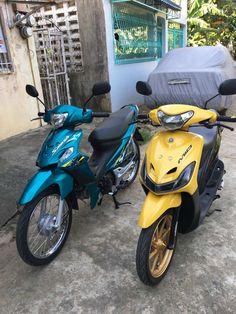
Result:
[[57, 225], [174, 229]]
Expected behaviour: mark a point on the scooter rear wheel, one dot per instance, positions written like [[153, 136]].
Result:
[[38, 242], [153, 257]]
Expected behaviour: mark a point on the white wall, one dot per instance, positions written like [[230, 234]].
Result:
[[123, 77], [16, 107]]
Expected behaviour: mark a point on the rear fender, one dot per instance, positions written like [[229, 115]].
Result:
[[155, 206], [44, 179]]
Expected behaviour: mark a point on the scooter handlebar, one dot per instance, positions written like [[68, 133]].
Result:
[[226, 119]]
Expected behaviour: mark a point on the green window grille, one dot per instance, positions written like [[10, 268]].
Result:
[[175, 36], [137, 36]]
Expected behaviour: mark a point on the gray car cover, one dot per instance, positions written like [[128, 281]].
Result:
[[191, 76]]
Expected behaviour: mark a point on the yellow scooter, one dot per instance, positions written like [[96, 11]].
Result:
[[180, 175]]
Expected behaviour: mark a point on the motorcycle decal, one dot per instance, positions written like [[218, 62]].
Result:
[[74, 138], [73, 162], [67, 164], [121, 157], [60, 145], [185, 153]]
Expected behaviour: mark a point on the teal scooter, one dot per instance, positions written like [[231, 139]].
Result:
[[65, 174]]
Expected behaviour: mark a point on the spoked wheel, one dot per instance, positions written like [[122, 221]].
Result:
[[38, 240], [153, 257], [131, 174]]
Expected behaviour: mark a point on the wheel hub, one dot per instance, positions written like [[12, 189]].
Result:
[[46, 225], [159, 245]]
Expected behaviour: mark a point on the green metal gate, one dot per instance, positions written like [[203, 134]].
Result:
[[175, 38], [137, 36]]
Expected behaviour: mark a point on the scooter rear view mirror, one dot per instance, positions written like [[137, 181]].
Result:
[[32, 91], [101, 88], [228, 87], [143, 88]]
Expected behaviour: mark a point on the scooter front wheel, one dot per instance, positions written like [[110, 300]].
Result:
[[153, 257], [38, 240]]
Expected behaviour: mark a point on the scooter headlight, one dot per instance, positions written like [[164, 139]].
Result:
[[58, 119], [174, 122]]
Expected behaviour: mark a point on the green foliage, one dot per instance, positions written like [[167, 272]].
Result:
[[146, 135], [132, 41], [212, 22]]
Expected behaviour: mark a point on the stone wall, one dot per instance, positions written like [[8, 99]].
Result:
[[94, 54]]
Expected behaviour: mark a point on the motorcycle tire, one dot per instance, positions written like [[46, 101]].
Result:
[[153, 258], [27, 248]]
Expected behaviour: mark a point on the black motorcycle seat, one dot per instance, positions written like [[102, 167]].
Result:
[[209, 135], [113, 128]]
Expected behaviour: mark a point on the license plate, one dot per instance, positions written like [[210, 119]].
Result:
[[179, 81]]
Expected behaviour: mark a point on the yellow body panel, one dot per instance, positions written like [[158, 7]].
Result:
[[155, 206], [174, 149], [172, 110], [167, 155]]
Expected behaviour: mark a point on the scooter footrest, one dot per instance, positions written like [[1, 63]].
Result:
[[209, 195], [217, 174]]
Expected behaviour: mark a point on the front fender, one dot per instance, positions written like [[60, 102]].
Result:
[[42, 180], [155, 206]]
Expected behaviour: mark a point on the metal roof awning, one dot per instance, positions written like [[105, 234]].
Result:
[[168, 7], [170, 4]]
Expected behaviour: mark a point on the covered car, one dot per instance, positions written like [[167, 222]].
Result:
[[191, 76]]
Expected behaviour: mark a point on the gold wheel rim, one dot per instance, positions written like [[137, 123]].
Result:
[[159, 254]]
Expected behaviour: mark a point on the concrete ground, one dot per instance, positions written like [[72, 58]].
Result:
[[95, 272]]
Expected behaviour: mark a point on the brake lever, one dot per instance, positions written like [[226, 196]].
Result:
[[210, 126], [226, 126]]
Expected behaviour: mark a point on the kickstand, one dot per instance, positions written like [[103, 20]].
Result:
[[118, 204], [214, 210]]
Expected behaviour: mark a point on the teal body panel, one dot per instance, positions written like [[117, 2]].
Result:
[[56, 144], [94, 192], [74, 169], [83, 176], [44, 179]]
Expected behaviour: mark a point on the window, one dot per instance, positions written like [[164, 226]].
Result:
[[178, 2], [137, 35], [175, 36], [5, 59]]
